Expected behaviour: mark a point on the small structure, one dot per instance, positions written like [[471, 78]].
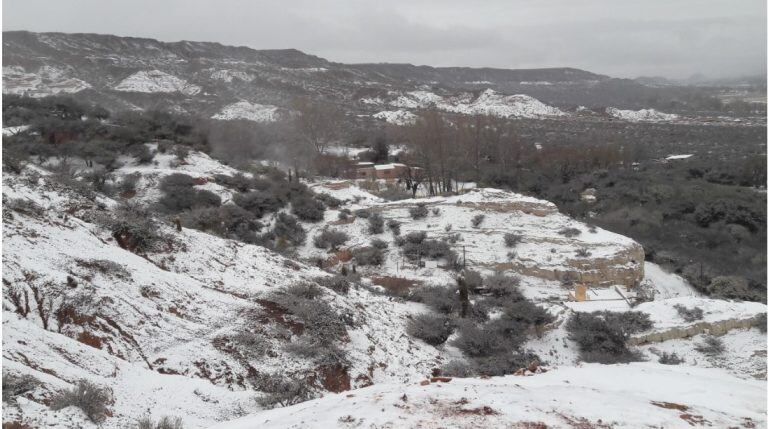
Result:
[[579, 292], [388, 172]]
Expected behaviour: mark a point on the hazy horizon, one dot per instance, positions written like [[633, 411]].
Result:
[[676, 41]]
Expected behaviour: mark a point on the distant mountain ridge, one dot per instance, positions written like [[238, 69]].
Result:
[[205, 77]]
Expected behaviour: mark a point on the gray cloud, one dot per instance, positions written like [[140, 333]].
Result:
[[673, 38]]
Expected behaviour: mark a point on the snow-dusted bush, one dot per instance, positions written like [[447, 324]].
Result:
[[323, 325], [512, 239], [329, 200], [452, 238], [444, 300], [133, 227], [289, 229], [375, 223], [238, 181], [128, 182], [304, 290], [457, 368], [362, 213], [420, 211], [259, 202], [477, 220], [670, 359], [379, 243], [503, 363], [105, 267], [689, 314], [176, 182], [281, 390], [473, 279], [569, 232], [179, 194], [337, 283], [330, 239], [15, 385], [229, 221], [99, 179], [712, 346], [602, 336], [433, 329], [344, 214], [415, 246], [583, 252], [527, 313], [90, 398], [165, 422], [394, 226], [23, 206], [307, 208], [498, 336], [502, 286], [368, 256], [730, 287]]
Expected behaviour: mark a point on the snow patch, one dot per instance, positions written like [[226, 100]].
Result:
[[397, 117], [47, 80], [489, 102], [154, 81], [249, 111], [642, 115]]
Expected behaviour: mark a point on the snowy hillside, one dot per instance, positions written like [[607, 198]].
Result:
[[248, 111], [156, 81], [488, 102], [146, 326], [639, 395], [184, 329], [41, 83]]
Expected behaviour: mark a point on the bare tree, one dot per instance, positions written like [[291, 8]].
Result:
[[318, 122]]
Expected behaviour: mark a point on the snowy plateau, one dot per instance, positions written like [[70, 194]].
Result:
[[157, 329], [154, 81]]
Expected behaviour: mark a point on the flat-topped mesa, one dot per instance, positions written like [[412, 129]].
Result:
[[551, 245]]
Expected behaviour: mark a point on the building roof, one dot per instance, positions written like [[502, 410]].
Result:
[[388, 166]]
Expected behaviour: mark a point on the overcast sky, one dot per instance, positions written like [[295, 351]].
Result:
[[623, 38]]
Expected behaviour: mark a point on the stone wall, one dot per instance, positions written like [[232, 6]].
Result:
[[715, 328]]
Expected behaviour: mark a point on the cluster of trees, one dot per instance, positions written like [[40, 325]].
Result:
[[493, 346]]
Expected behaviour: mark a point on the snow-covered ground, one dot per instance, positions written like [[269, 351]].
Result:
[[587, 396], [147, 326], [249, 111], [156, 81], [543, 252]]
